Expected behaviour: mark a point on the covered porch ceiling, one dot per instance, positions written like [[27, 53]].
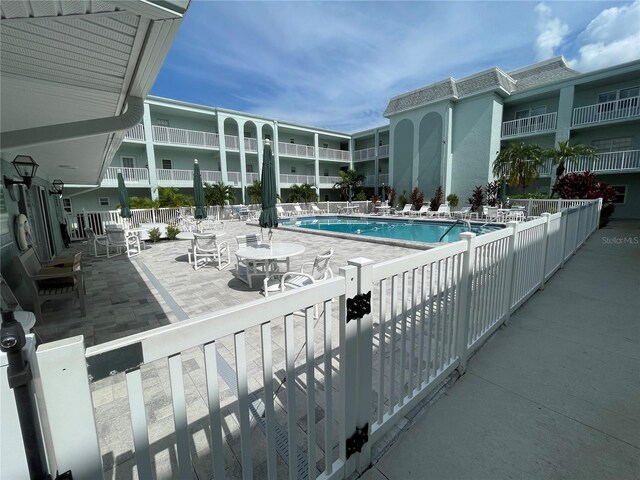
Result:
[[73, 76]]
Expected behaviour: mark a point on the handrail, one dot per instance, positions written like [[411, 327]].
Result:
[[460, 220]]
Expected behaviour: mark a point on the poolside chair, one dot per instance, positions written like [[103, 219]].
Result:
[[464, 212], [282, 212], [424, 210], [444, 211], [298, 210], [95, 240], [118, 239], [252, 267], [317, 270], [406, 210], [207, 248], [440, 210], [315, 209], [490, 213]]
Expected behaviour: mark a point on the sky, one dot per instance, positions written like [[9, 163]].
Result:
[[336, 65]]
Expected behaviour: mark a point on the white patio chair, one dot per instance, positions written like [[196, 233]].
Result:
[[282, 212], [118, 239], [315, 209], [444, 211], [298, 210], [424, 210], [96, 241], [318, 270], [252, 267], [206, 248], [465, 212], [490, 213], [406, 210]]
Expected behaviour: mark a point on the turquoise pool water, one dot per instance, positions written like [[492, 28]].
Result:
[[416, 231]]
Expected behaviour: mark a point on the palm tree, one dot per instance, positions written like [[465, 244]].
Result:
[[170, 197], [218, 193], [519, 164], [350, 180], [255, 192], [305, 193], [565, 152]]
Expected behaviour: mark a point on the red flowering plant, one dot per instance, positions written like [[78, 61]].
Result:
[[585, 185], [436, 201]]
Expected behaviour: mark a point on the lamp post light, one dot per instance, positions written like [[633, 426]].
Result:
[[26, 168]]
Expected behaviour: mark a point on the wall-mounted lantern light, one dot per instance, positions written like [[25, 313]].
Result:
[[26, 168], [58, 187]]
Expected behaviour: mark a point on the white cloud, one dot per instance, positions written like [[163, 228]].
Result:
[[611, 38], [551, 32]]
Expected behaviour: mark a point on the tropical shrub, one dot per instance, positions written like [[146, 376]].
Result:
[[305, 193], [493, 192], [154, 234], [417, 198], [403, 200], [375, 198], [519, 163], [142, 202], [541, 196], [585, 185], [172, 232], [360, 196], [170, 197], [476, 199], [390, 192], [218, 194], [349, 182], [436, 201], [254, 191], [453, 200]]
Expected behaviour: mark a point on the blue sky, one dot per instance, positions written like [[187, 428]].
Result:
[[335, 65]]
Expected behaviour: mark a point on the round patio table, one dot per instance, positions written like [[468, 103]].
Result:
[[269, 253]]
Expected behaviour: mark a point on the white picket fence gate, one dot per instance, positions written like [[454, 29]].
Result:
[[386, 336]]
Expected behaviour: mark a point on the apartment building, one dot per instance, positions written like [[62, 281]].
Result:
[[445, 134]]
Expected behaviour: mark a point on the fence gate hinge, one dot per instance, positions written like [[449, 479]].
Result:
[[357, 440], [358, 306]]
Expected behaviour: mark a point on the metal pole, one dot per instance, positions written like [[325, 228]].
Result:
[[19, 374]]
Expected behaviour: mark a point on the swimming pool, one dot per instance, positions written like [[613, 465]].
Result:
[[400, 229]]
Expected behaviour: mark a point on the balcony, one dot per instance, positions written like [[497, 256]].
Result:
[[609, 162], [623, 109], [184, 178], [187, 138], [295, 150], [286, 180], [250, 144], [133, 177], [329, 181], [135, 134], [529, 125], [234, 178], [333, 154], [252, 177], [370, 153]]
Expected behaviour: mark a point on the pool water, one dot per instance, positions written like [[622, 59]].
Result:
[[420, 231]]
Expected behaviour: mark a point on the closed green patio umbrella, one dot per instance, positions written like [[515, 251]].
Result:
[[123, 197], [198, 193], [269, 214]]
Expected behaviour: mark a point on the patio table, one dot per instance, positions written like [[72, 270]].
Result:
[[266, 252]]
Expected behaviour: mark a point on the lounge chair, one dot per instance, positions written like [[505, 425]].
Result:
[[424, 210], [444, 211], [406, 210], [282, 212], [206, 248], [464, 212], [298, 210], [315, 209], [96, 241]]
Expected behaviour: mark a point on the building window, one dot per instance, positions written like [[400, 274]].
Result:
[[249, 168], [621, 193], [66, 205], [247, 134], [326, 197], [613, 144], [167, 164], [325, 145], [293, 169], [162, 122], [326, 172], [292, 140], [128, 162], [104, 201], [267, 136]]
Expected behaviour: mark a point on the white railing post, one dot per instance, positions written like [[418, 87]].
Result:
[[348, 369], [364, 389], [563, 235], [529, 204], [468, 265], [559, 206], [67, 408], [511, 266], [545, 246]]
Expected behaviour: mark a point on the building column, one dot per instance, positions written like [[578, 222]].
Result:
[[243, 160], [376, 163], [151, 156], [223, 150], [447, 161], [276, 155], [259, 134], [563, 123]]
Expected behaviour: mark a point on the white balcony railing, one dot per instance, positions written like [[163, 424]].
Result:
[[370, 180], [364, 154], [250, 144], [329, 180], [184, 178], [231, 142], [180, 136], [135, 133], [252, 177], [383, 178], [333, 154], [297, 179], [383, 151], [606, 112], [530, 125], [234, 178], [295, 150], [132, 177], [625, 161]]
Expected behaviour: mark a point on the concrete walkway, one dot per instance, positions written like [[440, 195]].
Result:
[[556, 394]]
